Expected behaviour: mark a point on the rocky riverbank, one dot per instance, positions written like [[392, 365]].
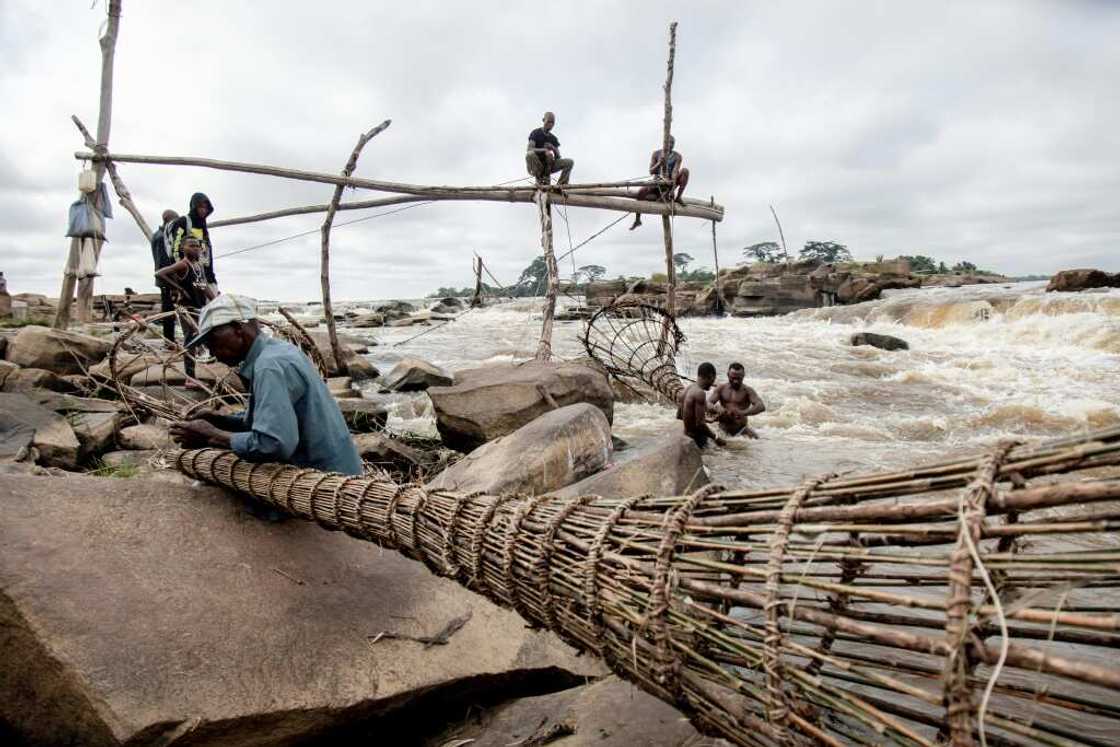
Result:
[[771, 289]]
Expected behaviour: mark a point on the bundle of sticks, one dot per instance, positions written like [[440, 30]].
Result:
[[970, 601]]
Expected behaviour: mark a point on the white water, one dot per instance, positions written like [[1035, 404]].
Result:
[[985, 363]]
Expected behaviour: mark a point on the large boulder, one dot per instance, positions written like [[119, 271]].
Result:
[[554, 450], [135, 611], [352, 348], [416, 375], [668, 465], [24, 422], [489, 402], [56, 350], [1079, 280], [395, 310], [883, 342], [607, 713], [6, 369], [449, 305]]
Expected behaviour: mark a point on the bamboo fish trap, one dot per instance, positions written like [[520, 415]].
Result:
[[971, 601]]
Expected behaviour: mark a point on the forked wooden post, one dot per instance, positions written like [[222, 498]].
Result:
[[325, 249], [666, 220], [476, 300], [108, 44], [123, 195], [544, 208]]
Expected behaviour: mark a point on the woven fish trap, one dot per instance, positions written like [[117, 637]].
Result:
[[970, 601], [139, 346], [636, 341]]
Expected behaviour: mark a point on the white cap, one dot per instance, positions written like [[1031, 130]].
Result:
[[224, 309]]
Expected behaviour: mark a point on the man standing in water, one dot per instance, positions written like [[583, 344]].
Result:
[[736, 402], [694, 405], [542, 157]]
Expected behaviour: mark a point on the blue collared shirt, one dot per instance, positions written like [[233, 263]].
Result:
[[292, 417]]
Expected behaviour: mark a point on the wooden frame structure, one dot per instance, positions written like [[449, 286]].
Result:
[[616, 196]]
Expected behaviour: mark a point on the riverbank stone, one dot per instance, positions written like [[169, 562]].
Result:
[[416, 375], [883, 342], [24, 422], [1070, 281], [492, 401], [138, 612], [55, 350], [556, 449], [363, 415]]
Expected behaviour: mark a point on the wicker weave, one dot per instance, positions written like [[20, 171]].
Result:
[[842, 610]]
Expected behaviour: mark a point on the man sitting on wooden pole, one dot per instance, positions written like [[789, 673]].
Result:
[[292, 416], [542, 157], [677, 175]]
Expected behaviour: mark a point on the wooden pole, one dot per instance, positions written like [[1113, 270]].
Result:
[[325, 252], [476, 301], [108, 44], [715, 254], [544, 208], [781, 234], [666, 221], [486, 194]]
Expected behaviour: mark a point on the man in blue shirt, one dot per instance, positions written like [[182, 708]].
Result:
[[292, 417]]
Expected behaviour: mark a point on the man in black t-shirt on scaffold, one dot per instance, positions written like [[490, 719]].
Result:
[[542, 157]]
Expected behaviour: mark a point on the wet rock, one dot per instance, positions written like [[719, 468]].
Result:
[[55, 350], [883, 342], [24, 422], [668, 465], [29, 379], [416, 375], [489, 402], [363, 415], [608, 713], [556, 449], [341, 387], [372, 319], [352, 350], [1079, 280], [118, 625], [449, 305], [146, 436], [395, 310], [410, 321]]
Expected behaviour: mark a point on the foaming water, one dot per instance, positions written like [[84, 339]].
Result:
[[984, 364]]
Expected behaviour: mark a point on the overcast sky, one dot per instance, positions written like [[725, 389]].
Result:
[[987, 131]]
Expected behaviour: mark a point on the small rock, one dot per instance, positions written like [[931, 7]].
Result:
[[6, 369], [24, 422], [383, 450], [360, 369], [557, 449], [883, 342], [449, 305], [363, 415], [416, 375], [55, 350], [95, 431], [372, 319], [145, 437]]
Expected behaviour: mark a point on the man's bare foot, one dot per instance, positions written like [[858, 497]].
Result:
[[637, 222]]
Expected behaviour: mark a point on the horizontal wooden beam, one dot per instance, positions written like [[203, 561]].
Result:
[[704, 211], [320, 208]]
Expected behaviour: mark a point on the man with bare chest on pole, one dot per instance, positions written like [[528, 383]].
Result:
[[735, 402]]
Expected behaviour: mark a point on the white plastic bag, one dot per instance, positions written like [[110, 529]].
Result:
[[87, 259], [87, 181]]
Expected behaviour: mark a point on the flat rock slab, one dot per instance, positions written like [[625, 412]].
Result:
[[23, 420], [136, 611], [607, 713]]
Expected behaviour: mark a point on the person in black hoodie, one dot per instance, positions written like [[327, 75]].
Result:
[[161, 258], [194, 224]]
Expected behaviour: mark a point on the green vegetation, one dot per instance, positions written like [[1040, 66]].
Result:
[[121, 471], [920, 264], [767, 252], [825, 251], [16, 323]]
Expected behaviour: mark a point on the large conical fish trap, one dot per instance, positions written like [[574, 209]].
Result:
[[970, 601], [636, 341]]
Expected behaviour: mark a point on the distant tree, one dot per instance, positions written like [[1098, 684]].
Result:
[[700, 274], [825, 251], [535, 276], [965, 267], [592, 272], [942, 268], [921, 264], [681, 260], [766, 251]]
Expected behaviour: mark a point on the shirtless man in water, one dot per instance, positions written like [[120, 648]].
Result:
[[736, 402], [694, 405]]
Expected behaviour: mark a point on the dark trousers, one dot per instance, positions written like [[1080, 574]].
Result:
[[166, 303]]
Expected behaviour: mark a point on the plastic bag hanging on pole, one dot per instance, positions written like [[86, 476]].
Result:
[[87, 259], [85, 221]]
